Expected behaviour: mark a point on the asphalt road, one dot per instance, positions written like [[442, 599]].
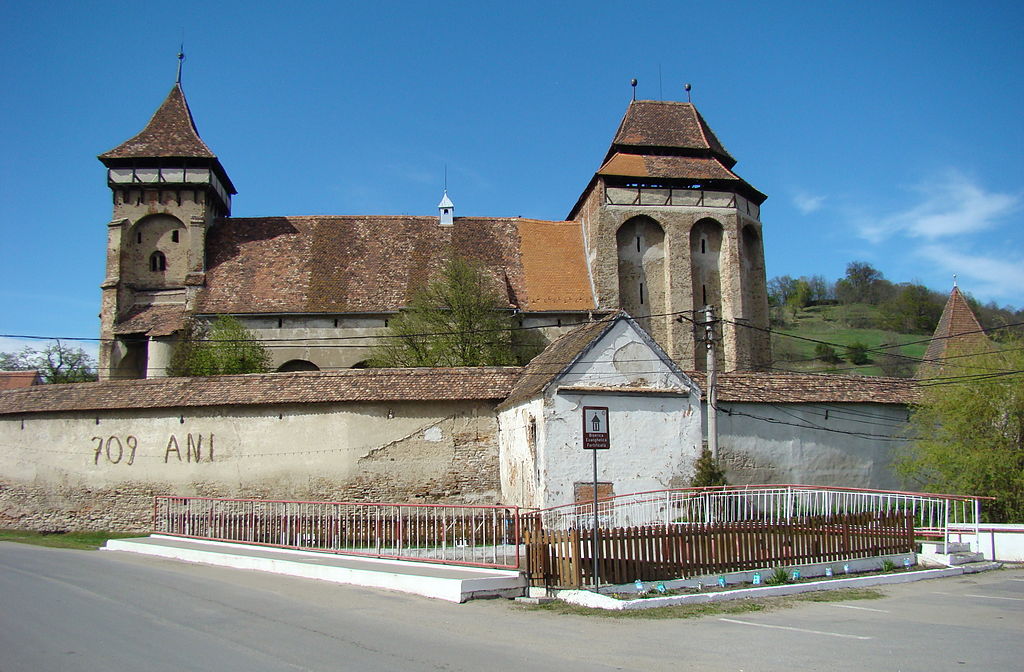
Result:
[[77, 610]]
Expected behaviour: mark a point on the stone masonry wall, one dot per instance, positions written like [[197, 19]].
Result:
[[101, 470]]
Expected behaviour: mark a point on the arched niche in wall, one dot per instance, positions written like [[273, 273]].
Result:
[[297, 365], [642, 268], [155, 253], [752, 260], [706, 263]]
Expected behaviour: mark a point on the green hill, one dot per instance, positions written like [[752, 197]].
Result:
[[842, 326]]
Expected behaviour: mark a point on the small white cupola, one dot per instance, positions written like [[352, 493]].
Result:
[[446, 210]]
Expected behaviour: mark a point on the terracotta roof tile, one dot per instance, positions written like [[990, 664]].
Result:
[[554, 266], [958, 328], [260, 389], [156, 320], [373, 263], [773, 388], [668, 124], [667, 167], [14, 380], [171, 132]]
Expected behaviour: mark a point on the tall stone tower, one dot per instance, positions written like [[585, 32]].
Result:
[[669, 229], [168, 187]]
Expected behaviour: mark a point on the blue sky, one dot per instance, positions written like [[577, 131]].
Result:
[[884, 132]]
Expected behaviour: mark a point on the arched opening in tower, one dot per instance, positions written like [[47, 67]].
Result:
[[642, 267]]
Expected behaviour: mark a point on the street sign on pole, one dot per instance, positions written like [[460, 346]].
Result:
[[595, 438], [595, 428]]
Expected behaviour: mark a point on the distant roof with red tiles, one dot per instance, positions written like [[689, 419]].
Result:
[[14, 380], [795, 388], [324, 264], [958, 329], [351, 385]]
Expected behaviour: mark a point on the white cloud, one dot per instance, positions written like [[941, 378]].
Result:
[[951, 205], [806, 203], [983, 275]]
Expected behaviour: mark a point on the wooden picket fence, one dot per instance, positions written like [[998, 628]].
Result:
[[562, 558]]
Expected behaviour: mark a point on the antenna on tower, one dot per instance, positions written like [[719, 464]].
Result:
[[687, 87], [181, 59], [632, 83], [446, 178], [954, 281]]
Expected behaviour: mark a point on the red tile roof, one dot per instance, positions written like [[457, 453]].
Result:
[[156, 320], [958, 329], [668, 167], [324, 264], [451, 384], [795, 388], [668, 124], [14, 380], [171, 132]]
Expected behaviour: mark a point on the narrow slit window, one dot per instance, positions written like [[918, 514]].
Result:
[[641, 293], [704, 295], [280, 323], [703, 243], [638, 243], [174, 236], [138, 237]]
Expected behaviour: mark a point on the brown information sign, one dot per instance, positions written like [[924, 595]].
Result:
[[595, 428]]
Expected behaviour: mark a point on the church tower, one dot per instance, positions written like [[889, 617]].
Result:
[[669, 229], [168, 187]]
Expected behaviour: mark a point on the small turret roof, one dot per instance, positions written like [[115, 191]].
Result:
[[171, 132], [445, 201], [958, 328]]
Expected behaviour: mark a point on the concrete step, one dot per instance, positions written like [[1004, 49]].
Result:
[[949, 559], [937, 547], [445, 582], [975, 567]]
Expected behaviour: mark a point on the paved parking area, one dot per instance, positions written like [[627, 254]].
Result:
[[77, 610]]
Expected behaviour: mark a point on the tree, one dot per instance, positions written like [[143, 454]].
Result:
[[56, 363], [800, 296], [779, 289], [912, 309], [707, 471], [223, 347], [457, 319], [857, 353], [826, 353], [967, 432], [863, 283]]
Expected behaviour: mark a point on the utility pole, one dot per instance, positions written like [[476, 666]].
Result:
[[709, 343]]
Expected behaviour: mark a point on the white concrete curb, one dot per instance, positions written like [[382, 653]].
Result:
[[443, 588]]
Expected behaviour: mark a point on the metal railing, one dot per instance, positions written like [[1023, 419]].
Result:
[[481, 536], [933, 513]]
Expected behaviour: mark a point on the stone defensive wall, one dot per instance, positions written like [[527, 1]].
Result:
[[93, 455]]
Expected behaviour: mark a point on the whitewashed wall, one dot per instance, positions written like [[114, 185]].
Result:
[[654, 421]]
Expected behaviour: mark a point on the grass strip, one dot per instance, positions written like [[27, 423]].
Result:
[[90, 540]]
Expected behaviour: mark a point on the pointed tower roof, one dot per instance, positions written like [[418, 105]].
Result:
[[669, 143], [668, 125], [170, 133], [445, 201], [958, 328]]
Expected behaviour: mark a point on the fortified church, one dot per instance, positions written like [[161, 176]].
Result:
[[663, 228]]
